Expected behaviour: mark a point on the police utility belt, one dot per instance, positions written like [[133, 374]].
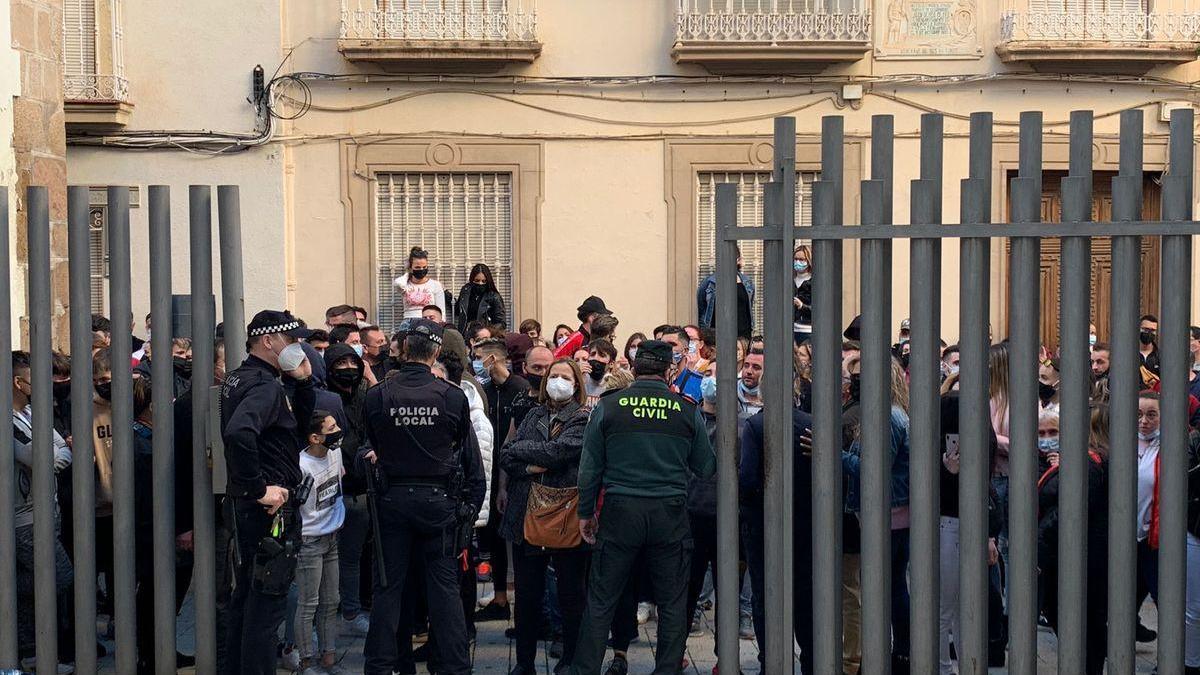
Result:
[[275, 555]]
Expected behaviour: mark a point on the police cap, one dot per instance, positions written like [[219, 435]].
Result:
[[426, 329], [270, 321], [655, 351]]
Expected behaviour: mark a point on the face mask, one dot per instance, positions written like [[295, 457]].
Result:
[[708, 388], [346, 379], [1046, 392], [333, 441], [693, 347], [104, 390], [479, 285], [1047, 445], [745, 391], [598, 369], [855, 387], [419, 274], [535, 382], [1150, 436], [1092, 339], [904, 361], [559, 389], [800, 266], [183, 365], [62, 390], [1146, 337], [291, 356], [358, 349], [633, 353], [562, 339], [953, 370], [676, 357]]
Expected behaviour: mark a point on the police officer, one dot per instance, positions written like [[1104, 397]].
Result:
[[262, 440], [640, 446], [419, 429]]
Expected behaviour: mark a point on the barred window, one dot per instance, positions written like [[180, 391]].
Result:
[[750, 214], [460, 218], [98, 243]]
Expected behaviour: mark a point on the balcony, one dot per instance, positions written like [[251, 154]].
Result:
[[95, 91], [771, 36], [439, 35], [1118, 36]]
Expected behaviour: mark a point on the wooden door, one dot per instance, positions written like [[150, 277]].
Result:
[[1101, 304]]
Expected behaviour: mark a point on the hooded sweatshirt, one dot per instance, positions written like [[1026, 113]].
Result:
[[352, 403]]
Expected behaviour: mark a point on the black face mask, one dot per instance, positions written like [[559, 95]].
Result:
[[346, 379], [598, 369], [420, 274], [183, 366], [535, 382], [104, 390], [1147, 337], [62, 390], [855, 387], [333, 441], [1046, 392], [904, 361]]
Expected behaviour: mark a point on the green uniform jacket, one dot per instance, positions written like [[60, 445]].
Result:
[[643, 441]]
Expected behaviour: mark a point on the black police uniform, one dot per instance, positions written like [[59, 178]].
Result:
[[420, 429], [262, 440]]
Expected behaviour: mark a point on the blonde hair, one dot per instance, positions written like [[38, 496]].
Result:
[[617, 378]]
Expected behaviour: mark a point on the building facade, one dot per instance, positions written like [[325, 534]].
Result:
[[575, 146]]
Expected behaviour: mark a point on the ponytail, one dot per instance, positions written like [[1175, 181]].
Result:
[[416, 253]]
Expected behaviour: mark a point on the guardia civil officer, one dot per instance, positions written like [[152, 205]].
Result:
[[262, 440], [420, 430], [640, 446]]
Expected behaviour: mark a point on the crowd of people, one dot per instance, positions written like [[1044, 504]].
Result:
[[376, 478]]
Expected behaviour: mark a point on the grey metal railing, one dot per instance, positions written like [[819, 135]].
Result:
[[125, 581], [975, 229]]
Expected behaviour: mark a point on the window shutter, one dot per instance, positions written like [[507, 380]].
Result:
[[79, 37], [462, 219], [750, 212]]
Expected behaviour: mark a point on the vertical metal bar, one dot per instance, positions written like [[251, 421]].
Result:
[[233, 295], [83, 454], [8, 482], [1023, 404], [875, 442], [121, 310], [727, 469], [777, 422], [925, 403], [1173, 345], [162, 382], [44, 517], [827, 502], [779, 214], [1074, 421], [204, 533], [1124, 380], [974, 418]]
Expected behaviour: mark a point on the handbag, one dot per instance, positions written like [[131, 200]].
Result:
[[551, 517]]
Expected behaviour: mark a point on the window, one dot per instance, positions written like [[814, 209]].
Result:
[[98, 243], [750, 213], [79, 37], [460, 218]]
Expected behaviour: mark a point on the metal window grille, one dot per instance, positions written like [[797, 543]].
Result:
[[460, 218], [98, 242], [750, 210]]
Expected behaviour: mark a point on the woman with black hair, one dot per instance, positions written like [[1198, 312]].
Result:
[[479, 300], [417, 290]]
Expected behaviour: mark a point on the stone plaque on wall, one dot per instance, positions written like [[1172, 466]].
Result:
[[928, 29]]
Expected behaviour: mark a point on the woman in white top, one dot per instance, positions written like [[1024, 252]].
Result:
[[417, 290]]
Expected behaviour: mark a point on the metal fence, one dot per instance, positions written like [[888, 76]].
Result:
[[122, 586], [974, 231]]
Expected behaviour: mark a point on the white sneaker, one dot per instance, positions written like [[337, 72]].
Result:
[[645, 611], [290, 660], [359, 625]]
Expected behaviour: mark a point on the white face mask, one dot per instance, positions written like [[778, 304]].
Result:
[[559, 389], [358, 349], [291, 356]]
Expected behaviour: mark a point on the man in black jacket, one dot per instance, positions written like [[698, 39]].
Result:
[[259, 425]]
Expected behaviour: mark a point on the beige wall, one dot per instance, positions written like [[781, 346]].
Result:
[[10, 88], [189, 68], [606, 217]]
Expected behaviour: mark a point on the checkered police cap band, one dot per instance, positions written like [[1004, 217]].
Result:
[[279, 328]]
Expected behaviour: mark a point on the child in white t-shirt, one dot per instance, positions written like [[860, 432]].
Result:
[[322, 515]]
